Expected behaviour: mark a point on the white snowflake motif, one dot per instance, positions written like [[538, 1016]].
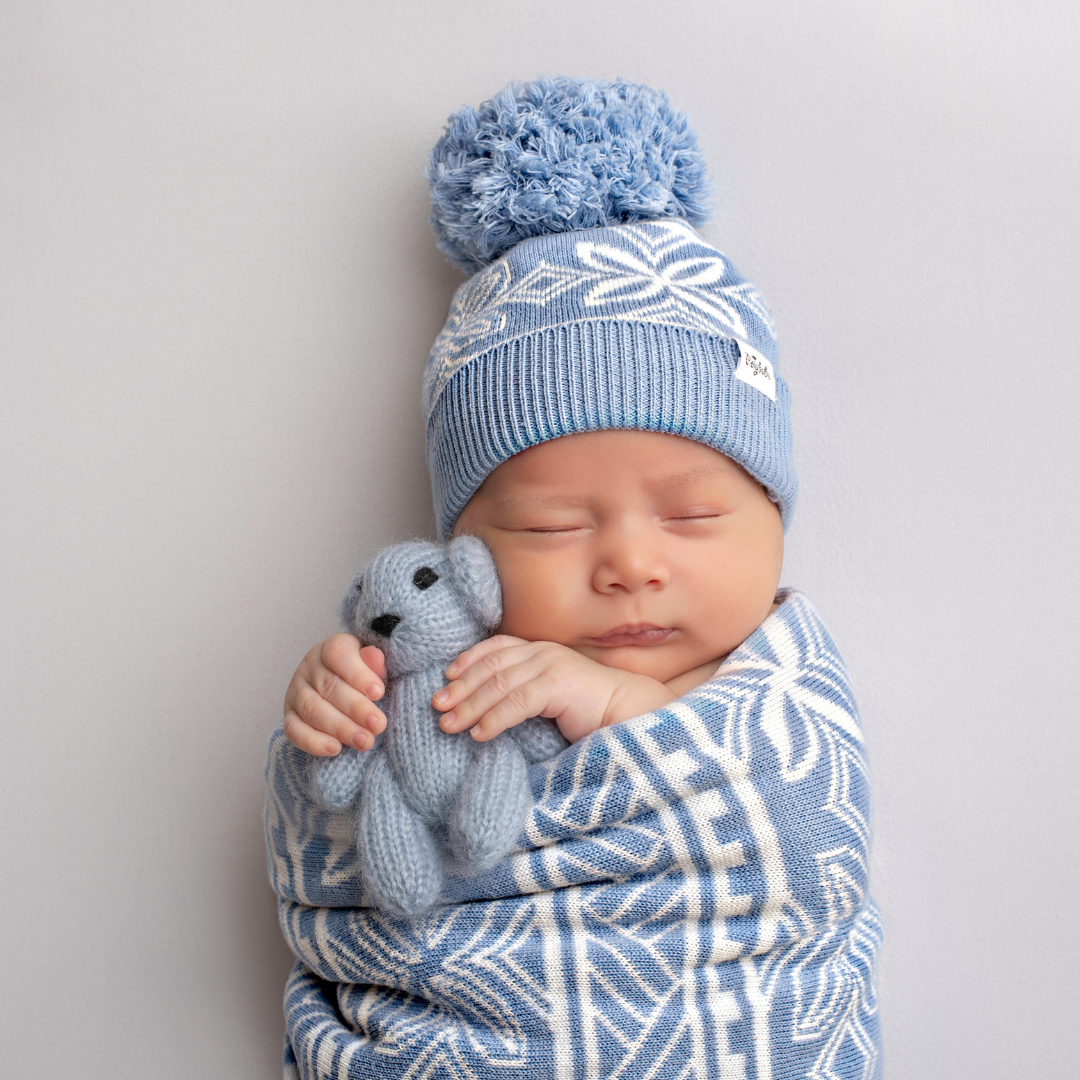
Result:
[[667, 274], [477, 312]]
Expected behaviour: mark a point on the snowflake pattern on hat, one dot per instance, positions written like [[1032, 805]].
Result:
[[649, 272]]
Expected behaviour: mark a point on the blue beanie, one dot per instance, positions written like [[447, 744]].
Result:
[[593, 304]]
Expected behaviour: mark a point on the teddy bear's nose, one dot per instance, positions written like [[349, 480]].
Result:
[[383, 625]]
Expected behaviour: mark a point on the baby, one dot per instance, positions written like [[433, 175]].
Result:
[[688, 897]]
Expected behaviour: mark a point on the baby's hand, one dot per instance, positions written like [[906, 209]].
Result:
[[329, 701], [504, 680]]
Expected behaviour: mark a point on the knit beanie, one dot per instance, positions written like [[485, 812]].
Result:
[[592, 303]]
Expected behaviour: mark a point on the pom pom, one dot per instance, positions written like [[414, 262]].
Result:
[[558, 154]]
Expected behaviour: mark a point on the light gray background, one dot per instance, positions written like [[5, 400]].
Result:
[[218, 288]]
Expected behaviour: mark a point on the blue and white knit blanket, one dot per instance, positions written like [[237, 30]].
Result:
[[688, 900]]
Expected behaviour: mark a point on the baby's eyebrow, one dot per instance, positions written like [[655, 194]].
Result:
[[705, 472], [560, 501], [555, 501]]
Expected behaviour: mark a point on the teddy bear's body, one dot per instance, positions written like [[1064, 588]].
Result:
[[425, 795]]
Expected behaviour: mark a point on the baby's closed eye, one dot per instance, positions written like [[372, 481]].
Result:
[[692, 513]]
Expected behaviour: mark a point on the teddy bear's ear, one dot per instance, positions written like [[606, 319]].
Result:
[[350, 602], [476, 579]]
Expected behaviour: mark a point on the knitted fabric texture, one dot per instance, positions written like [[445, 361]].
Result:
[[560, 154], [427, 797], [688, 899], [603, 308]]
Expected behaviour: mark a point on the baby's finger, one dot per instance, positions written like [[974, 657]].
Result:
[[486, 668], [515, 686], [308, 739], [320, 715], [479, 651], [346, 700], [372, 655], [527, 700], [342, 655]]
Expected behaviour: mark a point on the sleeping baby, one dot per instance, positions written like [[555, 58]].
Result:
[[688, 896]]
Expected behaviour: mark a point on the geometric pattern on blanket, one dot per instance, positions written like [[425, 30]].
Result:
[[688, 900]]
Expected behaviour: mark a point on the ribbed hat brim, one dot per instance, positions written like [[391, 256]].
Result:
[[599, 375]]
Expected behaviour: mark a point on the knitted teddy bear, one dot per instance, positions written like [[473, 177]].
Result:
[[427, 797]]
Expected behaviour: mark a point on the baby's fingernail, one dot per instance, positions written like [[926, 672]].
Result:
[[475, 732], [451, 670], [448, 718], [375, 690], [360, 740], [332, 746], [442, 695]]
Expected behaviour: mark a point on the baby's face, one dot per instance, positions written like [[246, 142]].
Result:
[[646, 552]]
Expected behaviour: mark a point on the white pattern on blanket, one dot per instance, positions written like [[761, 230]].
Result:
[[688, 900]]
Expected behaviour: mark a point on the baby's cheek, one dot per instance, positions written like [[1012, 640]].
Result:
[[727, 609], [537, 605]]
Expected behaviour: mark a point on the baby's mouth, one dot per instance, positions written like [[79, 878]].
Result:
[[633, 634]]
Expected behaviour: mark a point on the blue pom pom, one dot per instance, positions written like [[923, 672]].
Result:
[[559, 154]]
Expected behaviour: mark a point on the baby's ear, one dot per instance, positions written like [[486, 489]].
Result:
[[476, 579]]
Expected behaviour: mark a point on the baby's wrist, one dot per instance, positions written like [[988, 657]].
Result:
[[635, 695]]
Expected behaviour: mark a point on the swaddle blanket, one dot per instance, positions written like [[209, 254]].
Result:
[[688, 900]]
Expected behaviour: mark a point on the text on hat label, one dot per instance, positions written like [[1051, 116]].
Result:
[[755, 370]]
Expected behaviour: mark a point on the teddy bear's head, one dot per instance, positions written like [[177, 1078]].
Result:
[[424, 603]]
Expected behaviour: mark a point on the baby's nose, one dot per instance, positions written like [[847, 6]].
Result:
[[383, 625]]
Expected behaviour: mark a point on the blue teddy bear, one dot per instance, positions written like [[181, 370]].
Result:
[[427, 797]]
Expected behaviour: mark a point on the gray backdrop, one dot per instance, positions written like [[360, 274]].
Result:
[[218, 288]]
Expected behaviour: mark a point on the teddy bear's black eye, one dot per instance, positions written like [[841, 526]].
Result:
[[424, 578]]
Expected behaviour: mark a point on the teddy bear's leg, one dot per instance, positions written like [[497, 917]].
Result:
[[335, 781], [401, 864], [489, 811]]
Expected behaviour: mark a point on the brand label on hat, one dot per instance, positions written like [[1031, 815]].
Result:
[[755, 370]]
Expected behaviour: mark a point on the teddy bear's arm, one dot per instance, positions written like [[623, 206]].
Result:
[[540, 739], [335, 781]]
